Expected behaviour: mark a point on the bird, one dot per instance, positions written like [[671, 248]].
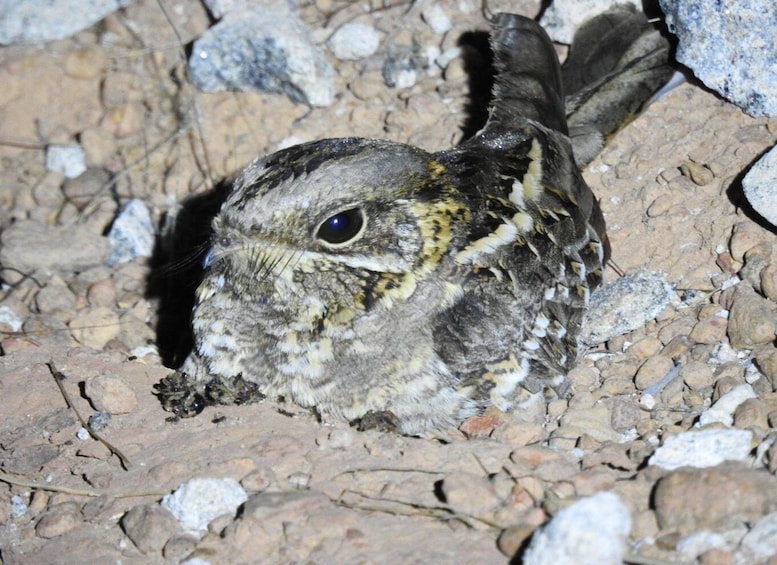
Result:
[[378, 283]]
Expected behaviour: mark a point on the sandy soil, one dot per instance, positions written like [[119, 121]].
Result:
[[320, 491]]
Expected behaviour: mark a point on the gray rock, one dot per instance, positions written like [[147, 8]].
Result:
[[400, 69], [354, 41], [730, 45], [149, 527], [563, 17], [760, 186], [625, 305], [198, 501], [703, 448], [31, 246], [263, 47], [132, 233], [29, 21], [595, 527]]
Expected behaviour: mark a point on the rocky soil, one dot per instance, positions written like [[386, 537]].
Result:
[[678, 418]]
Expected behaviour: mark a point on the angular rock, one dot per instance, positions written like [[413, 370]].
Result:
[[595, 527], [354, 41], [198, 501], [262, 48], [703, 448], [33, 246], [132, 233], [760, 186], [730, 45]]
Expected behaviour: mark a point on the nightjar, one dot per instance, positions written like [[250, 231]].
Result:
[[372, 278]]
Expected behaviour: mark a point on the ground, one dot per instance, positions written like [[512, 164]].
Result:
[[669, 184]]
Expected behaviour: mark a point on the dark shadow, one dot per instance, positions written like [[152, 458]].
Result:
[[479, 66], [176, 271], [736, 196]]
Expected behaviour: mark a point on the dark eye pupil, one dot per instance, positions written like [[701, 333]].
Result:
[[341, 227]]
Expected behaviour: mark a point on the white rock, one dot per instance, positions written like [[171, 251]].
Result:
[[760, 186], [563, 17], [592, 530], [70, 160], [435, 17], [703, 448], [760, 543], [354, 41], [9, 319], [723, 410], [692, 546], [198, 501], [132, 233]]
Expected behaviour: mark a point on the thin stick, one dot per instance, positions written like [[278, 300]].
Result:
[[11, 480], [58, 378]]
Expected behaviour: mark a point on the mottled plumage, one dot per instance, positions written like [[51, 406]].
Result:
[[363, 277]]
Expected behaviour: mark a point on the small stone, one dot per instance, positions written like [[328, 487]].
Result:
[[95, 327], [469, 494], [624, 414], [625, 305], [760, 544], [435, 17], [653, 371], [697, 375], [400, 68], [132, 234], [102, 293], [354, 41], [699, 174], [83, 189], [744, 237], [69, 160], [751, 320], [722, 410], [703, 448], [149, 527], [596, 527], [198, 501], [751, 414], [769, 282], [109, 393], [685, 501], [709, 331], [86, 63], [32, 246], [99, 420], [645, 347], [59, 520]]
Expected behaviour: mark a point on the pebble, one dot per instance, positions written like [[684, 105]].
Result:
[[562, 17], [82, 190], [760, 544], [685, 501], [95, 327], [653, 371], [469, 494], [697, 375], [595, 527], [759, 184], [745, 236], [35, 21], [702, 448], [262, 48], [751, 319], [722, 411], [354, 41], [625, 305], [132, 234], [730, 46], [401, 66], [109, 393], [70, 160], [58, 520], [33, 246], [435, 17], [709, 331], [149, 526], [198, 501]]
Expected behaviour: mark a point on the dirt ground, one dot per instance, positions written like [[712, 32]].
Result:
[[320, 491]]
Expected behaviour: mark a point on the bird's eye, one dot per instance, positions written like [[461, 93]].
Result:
[[341, 227]]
